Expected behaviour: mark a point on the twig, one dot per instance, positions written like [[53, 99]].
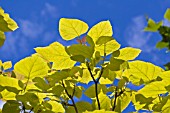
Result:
[[71, 97]]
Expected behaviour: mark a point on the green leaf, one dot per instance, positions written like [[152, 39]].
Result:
[[90, 92], [56, 53], [116, 64], [57, 90], [161, 45], [103, 28], [78, 58], [104, 40], [2, 38], [78, 49], [127, 53], [107, 48], [152, 26], [105, 102], [72, 28], [6, 23], [11, 106], [142, 102], [167, 14], [90, 41], [107, 77], [28, 98], [40, 83], [7, 65], [31, 67], [143, 72], [123, 101], [153, 89]]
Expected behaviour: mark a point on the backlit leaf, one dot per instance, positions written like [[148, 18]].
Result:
[[72, 28], [127, 53], [107, 48], [6, 23], [31, 67], [103, 28], [56, 53], [143, 72], [57, 107], [153, 89], [8, 81], [105, 102], [7, 65], [100, 111]]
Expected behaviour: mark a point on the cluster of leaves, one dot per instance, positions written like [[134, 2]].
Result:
[[6, 24], [50, 80], [163, 30]]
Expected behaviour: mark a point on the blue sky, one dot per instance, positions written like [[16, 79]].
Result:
[[38, 22]]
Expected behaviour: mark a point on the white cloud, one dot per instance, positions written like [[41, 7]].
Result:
[[49, 10], [31, 34], [31, 29], [166, 23], [136, 37]]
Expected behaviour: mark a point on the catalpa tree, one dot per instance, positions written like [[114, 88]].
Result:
[[53, 78]]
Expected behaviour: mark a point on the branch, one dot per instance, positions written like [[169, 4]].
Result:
[[115, 98], [70, 96]]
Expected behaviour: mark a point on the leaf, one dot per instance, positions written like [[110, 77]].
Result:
[[90, 92], [105, 102], [152, 26], [100, 111], [78, 58], [127, 53], [6, 23], [41, 83], [56, 53], [78, 49], [107, 77], [167, 14], [81, 107], [6, 95], [7, 65], [71, 28], [8, 81], [31, 67], [116, 64], [2, 38], [103, 28], [153, 89], [123, 102], [142, 102], [143, 72], [161, 45], [107, 48], [11, 106], [104, 40], [57, 107]]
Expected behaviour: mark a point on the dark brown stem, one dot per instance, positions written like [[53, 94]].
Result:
[[71, 97], [115, 98], [96, 84]]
